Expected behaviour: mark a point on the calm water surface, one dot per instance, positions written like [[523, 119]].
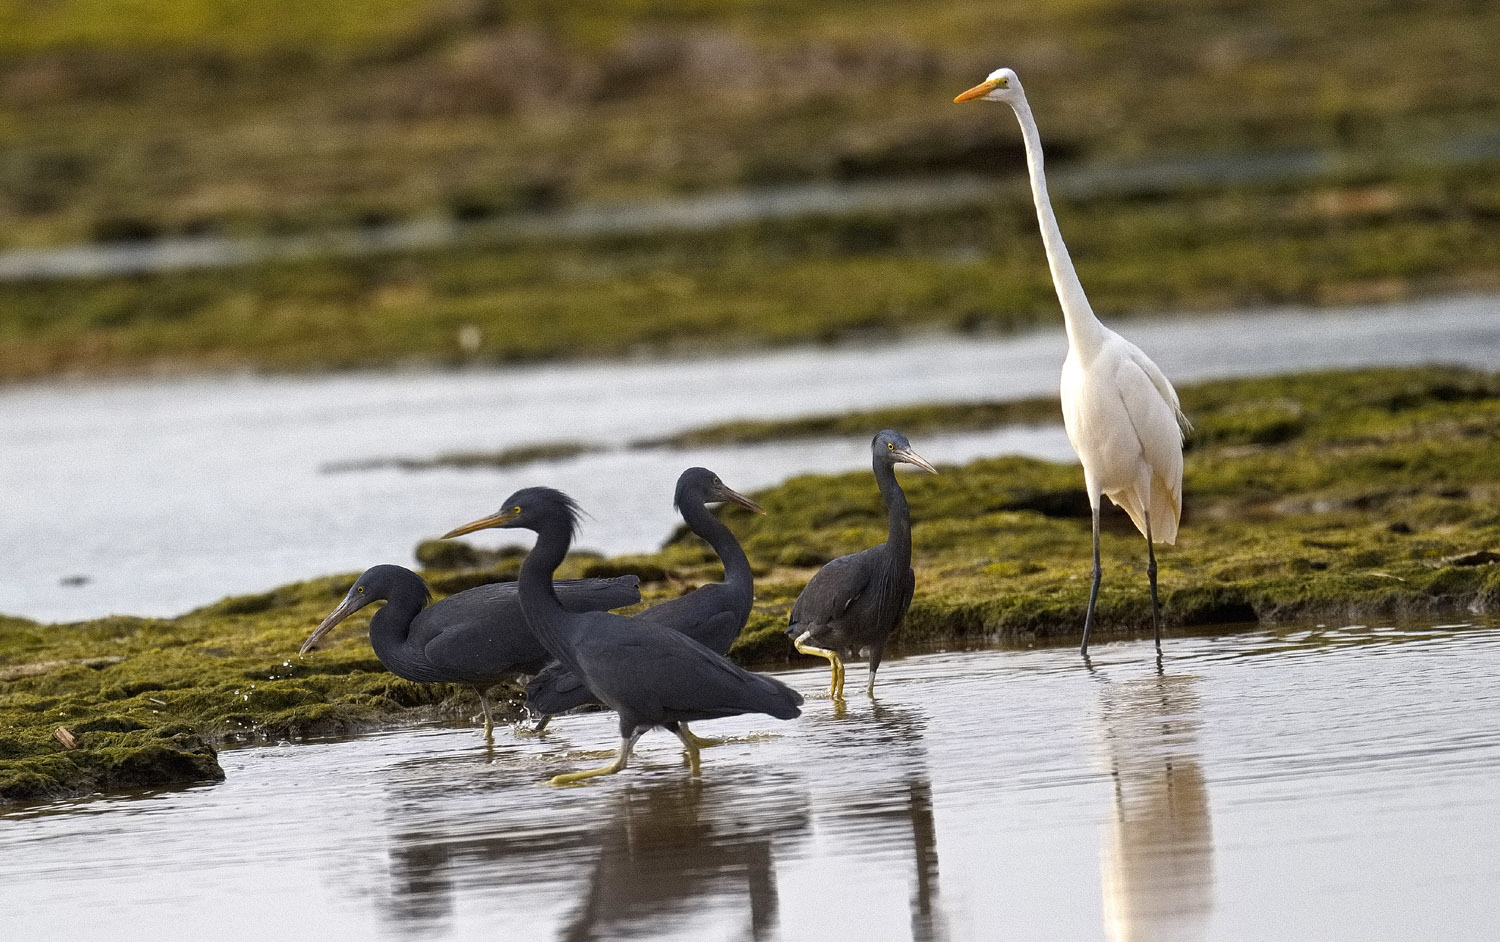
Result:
[[164, 495], [1321, 783]]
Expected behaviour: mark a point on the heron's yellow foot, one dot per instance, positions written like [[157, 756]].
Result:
[[698, 742], [835, 663], [572, 778]]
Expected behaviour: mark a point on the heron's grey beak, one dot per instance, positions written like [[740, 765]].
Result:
[[351, 604], [499, 519], [911, 457], [978, 91], [732, 495]]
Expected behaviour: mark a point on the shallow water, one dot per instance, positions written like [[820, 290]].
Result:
[[1321, 783], [169, 494]]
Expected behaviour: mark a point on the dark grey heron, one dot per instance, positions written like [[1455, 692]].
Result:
[[477, 637], [650, 675], [711, 614], [856, 601]]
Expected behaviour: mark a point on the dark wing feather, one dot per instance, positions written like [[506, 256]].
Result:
[[652, 675], [832, 590], [597, 595], [480, 635], [556, 690], [701, 615]]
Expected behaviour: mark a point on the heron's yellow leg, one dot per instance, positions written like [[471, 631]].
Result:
[[698, 742], [489, 722], [835, 663], [621, 758], [690, 744]]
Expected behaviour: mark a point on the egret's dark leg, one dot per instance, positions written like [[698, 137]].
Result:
[[875, 655], [1151, 574], [489, 722], [836, 688], [689, 743], [627, 743], [1088, 618]]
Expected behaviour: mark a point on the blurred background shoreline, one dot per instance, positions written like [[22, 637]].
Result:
[[455, 182]]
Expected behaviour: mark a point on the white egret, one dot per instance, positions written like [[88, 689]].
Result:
[[1120, 411]]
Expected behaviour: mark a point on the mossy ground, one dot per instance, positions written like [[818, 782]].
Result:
[[1331, 496]]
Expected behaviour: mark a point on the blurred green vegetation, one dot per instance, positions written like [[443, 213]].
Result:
[[820, 279], [267, 115], [190, 117], [1329, 496]]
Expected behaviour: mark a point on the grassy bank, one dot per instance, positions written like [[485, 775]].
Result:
[[1356, 496]]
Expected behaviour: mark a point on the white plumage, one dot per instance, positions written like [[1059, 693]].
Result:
[[1121, 412]]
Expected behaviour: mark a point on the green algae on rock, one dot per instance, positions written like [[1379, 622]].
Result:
[[1336, 495]]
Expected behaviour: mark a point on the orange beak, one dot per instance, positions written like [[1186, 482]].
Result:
[[978, 91]]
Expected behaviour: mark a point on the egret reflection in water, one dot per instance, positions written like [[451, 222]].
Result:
[[1158, 858]]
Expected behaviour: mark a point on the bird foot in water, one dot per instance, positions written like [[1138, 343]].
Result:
[[521, 729], [835, 663], [573, 778], [688, 737]]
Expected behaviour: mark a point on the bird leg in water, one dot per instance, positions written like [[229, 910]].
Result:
[[836, 688], [1151, 574], [622, 757], [1088, 618], [870, 685], [697, 742], [489, 722], [690, 743], [537, 730]]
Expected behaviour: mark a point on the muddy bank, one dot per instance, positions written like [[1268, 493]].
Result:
[[1338, 496]]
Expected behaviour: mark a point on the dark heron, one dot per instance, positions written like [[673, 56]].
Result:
[[476, 637], [712, 614], [649, 675], [856, 601]]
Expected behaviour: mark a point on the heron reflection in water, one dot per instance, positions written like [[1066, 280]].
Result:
[[884, 803], [677, 853], [1158, 861], [673, 856]]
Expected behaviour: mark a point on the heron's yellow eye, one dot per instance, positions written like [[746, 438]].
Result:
[[360, 590], [890, 446], [516, 509]]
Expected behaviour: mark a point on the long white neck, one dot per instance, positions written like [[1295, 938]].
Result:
[[1085, 333]]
